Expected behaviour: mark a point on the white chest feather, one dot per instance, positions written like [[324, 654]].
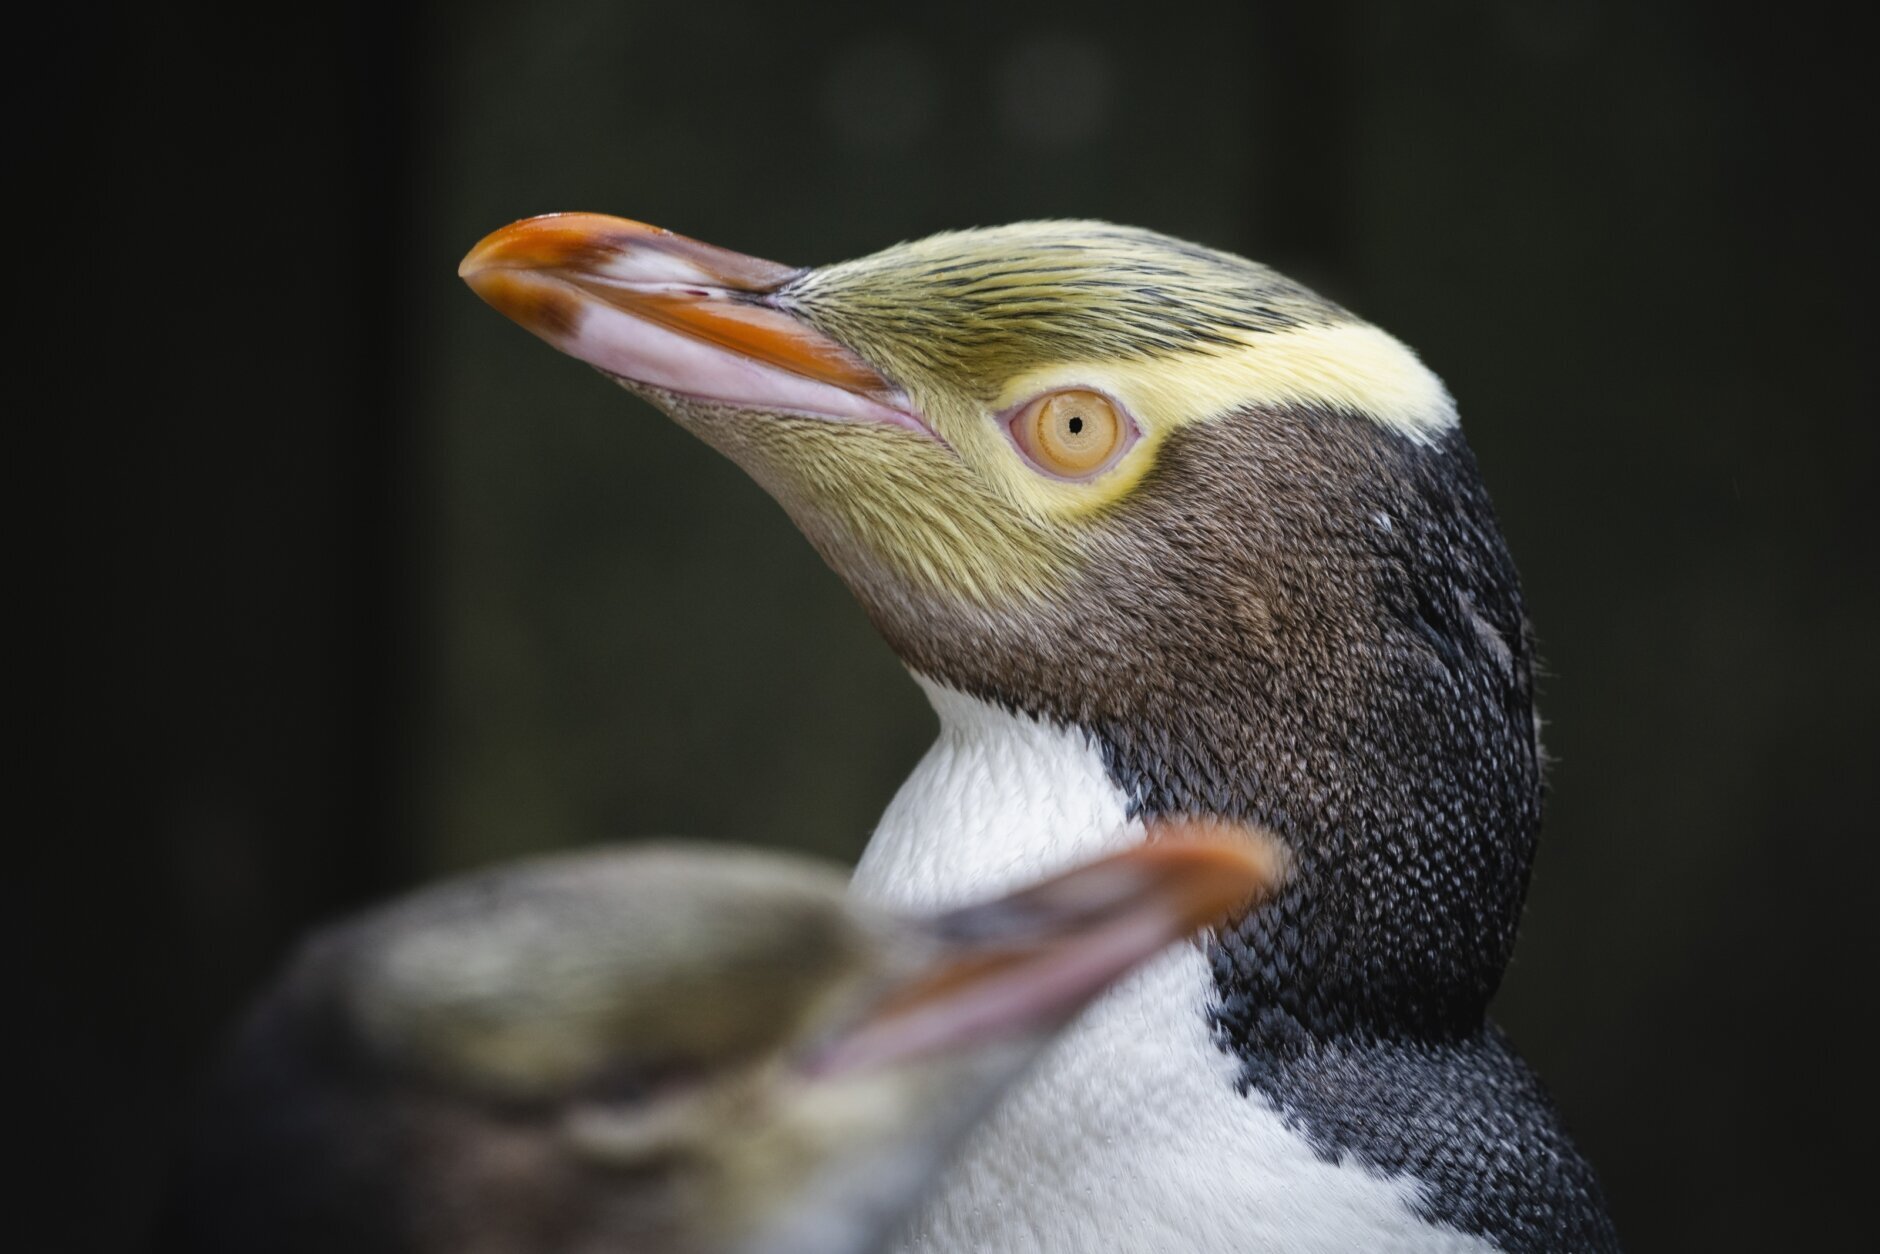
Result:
[[1128, 1137]]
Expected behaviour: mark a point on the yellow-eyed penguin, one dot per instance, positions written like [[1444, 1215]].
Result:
[[1160, 532], [665, 1049]]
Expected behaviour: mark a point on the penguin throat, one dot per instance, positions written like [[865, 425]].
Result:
[[1397, 919]]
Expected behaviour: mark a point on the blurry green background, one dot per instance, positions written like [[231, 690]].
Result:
[[362, 585]]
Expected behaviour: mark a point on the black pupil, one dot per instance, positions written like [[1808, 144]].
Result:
[[1077, 424]]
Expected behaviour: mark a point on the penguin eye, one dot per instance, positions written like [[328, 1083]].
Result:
[[1073, 434]]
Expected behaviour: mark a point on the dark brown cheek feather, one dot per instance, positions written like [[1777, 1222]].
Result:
[[1250, 641]]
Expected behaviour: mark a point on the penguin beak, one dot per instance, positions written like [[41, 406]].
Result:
[[1025, 964], [677, 315]]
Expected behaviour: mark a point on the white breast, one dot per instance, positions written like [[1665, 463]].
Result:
[[1129, 1136]]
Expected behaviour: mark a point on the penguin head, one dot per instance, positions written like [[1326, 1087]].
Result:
[[1117, 481], [680, 1049], [973, 418]]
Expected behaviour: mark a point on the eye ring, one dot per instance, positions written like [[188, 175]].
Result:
[[1073, 434]]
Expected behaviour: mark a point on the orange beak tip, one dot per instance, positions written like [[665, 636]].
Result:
[[1234, 864], [549, 310]]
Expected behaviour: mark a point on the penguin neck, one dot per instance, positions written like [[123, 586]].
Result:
[[1002, 798], [1396, 921], [1411, 836]]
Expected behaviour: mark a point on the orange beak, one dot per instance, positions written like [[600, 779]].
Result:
[[675, 315]]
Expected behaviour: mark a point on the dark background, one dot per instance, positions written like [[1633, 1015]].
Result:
[[356, 584]]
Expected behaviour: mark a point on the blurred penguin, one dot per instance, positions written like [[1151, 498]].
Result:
[[673, 1048]]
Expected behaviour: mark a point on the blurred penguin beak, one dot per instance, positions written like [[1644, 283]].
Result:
[[1025, 964]]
